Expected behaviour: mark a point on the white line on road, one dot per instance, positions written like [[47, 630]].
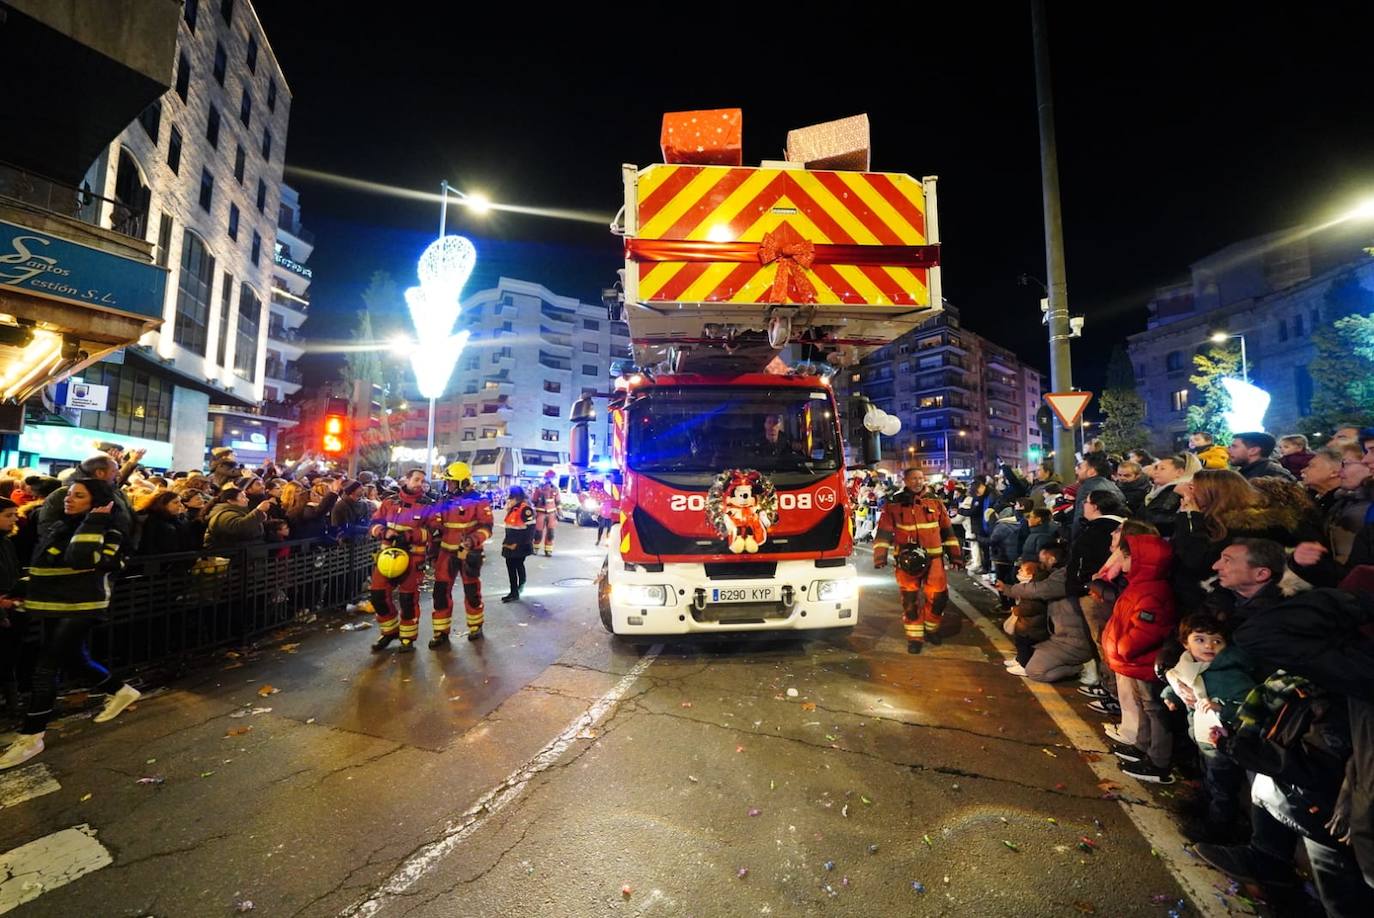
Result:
[[498, 798], [26, 783], [1154, 824], [47, 863]]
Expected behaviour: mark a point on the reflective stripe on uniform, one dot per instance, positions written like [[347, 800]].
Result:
[[907, 528], [58, 571], [882, 544], [88, 537], [42, 606], [399, 526], [926, 526], [467, 525]]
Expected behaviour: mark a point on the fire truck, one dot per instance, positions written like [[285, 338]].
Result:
[[745, 289]]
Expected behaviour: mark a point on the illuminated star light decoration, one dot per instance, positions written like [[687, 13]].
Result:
[[444, 268], [1248, 405]]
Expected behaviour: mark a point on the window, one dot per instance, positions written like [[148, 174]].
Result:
[[246, 107], [506, 326], [238, 164], [272, 95], [262, 196], [470, 388], [174, 151], [469, 411], [1180, 400], [226, 295], [591, 325], [164, 239], [591, 347], [140, 403], [221, 63], [549, 436], [589, 370], [552, 411], [1283, 329], [246, 345], [1298, 326], [1174, 361], [234, 222], [266, 144], [184, 76], [189, 13], [212, 128], [552, 386], [469, 435], [1302, 382], [207, 189], [151, 118], [257, 247], [193, 293], [252, 54], [226, 9]]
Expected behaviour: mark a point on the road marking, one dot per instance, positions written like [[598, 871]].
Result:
[[498, 798], [52, 861], [1153, 823], [28, 782]]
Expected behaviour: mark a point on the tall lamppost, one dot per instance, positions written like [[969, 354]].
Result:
[[1222, 338]]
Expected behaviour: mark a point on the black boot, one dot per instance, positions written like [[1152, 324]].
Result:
[[383, 642], [407, 646], [439, 640], [914, 646], [475, 635], [512, 596]]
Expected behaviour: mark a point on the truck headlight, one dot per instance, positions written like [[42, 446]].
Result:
[[589, 504], [834, 590], [640, 594]]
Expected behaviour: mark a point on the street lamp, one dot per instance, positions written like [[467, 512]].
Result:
[[1222, 338]]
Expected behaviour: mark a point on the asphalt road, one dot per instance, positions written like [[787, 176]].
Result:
[[550, 770]]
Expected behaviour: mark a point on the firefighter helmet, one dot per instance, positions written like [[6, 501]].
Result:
[[457, 471], [912, 559], [392, 562]]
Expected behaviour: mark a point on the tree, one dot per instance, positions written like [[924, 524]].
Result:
[[1343, 370], [365, 368], [1124, 425], [1210, 416]]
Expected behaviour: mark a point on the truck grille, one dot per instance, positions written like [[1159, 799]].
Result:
[[743, 570], [741, 613]]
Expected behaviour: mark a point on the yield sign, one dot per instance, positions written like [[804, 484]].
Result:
[[1068, 406]]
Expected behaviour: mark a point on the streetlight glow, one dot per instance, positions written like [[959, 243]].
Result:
[[477, 203], [1220, 338], [1361, 211]]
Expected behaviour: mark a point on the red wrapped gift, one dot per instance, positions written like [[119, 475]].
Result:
[[707, 138], [841, 145]]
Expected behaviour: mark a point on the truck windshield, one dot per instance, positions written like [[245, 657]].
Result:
[[710, 428]]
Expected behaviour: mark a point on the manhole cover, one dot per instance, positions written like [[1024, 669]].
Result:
[[573, 582]]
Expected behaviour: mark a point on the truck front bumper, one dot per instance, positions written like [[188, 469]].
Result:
[[799, 597]]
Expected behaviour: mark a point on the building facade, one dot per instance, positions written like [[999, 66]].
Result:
[[78, 278], [966, 404], [205, 161], [1271, 290]]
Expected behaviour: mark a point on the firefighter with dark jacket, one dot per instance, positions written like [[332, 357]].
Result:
[[462, 524], [401, 522], [918, 528]]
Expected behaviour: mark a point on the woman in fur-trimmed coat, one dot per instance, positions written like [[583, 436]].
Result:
[[1219, 506]]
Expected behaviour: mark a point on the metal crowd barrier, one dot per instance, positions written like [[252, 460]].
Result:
[[167, 608]]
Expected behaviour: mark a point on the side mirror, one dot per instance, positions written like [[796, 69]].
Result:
[[870, 441], [579, 451]]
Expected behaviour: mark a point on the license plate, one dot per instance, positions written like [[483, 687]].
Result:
[[744, 594]]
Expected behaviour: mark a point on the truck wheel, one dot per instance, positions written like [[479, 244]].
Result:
[[603, 595]]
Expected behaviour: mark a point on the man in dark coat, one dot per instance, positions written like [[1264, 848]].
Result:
[[1251, 453]]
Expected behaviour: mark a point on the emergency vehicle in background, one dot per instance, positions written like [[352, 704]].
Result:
[[734, 512]]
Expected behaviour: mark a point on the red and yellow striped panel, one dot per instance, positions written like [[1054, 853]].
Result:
[[736, 204]]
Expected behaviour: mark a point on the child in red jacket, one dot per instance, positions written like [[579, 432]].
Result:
[[1143, 618]]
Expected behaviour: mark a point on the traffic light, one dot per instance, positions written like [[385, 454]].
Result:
[[334, 435]]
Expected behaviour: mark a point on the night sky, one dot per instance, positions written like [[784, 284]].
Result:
[[1180, 132]]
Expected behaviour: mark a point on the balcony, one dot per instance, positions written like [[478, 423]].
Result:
[[300, 232], [557, 339], [285, 298], [69, 201], [934, 382], [294, 267], [939, 342], [1003, 394], [554, 314], [1000, 359], [279, 332], [286, 372], [554, 363]]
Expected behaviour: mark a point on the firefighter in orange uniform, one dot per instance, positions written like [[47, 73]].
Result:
[[462, 524], [401, 521], [545, 500], [915, 522]]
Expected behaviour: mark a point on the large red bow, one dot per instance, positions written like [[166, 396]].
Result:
[[794, 256]]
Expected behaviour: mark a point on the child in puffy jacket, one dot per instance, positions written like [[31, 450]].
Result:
[[1143, 618], [1028, 623], [1211, 679]]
